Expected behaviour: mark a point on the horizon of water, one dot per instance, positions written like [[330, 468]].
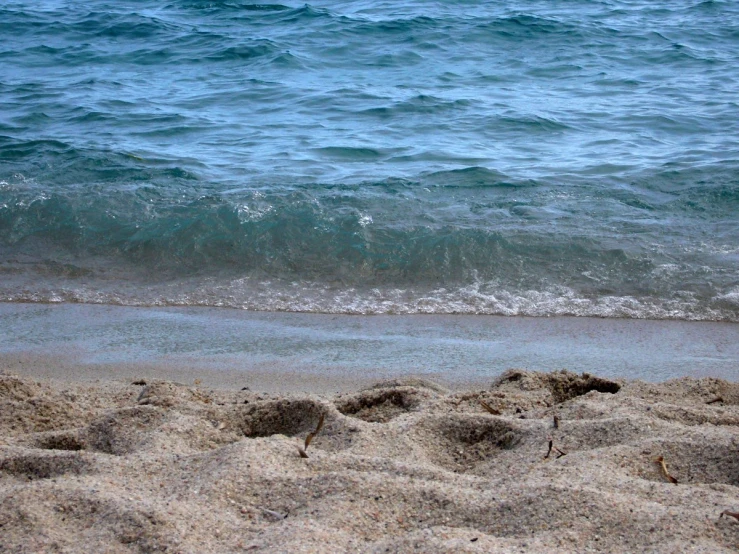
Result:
[[532, 158]]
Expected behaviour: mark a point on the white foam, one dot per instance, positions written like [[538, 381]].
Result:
[[473, 299]]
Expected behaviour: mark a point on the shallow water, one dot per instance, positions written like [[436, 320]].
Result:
[[455, 349], [515, 158]]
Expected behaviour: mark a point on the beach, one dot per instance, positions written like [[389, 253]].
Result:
[[142, 455], [359, 276], [533, 462]]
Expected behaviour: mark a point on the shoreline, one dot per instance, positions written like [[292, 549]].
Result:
[[245, 309], [275, 349]]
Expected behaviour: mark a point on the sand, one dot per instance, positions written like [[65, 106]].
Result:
[[403, 466]]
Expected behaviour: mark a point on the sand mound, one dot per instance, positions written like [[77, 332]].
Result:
[[382, 404], [537, 462]]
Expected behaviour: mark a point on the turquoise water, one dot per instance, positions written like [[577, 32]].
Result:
[[513, 157]]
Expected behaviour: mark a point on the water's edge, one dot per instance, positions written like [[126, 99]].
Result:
[[444, 347]]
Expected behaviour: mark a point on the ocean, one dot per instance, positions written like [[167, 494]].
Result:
[[529, 158]]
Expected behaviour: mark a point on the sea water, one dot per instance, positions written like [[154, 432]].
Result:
[[288, 351], [536, 157]]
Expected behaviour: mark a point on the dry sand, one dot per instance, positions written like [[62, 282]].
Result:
[[404, 466]]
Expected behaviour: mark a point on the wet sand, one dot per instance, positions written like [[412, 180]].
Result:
[[325, 353]]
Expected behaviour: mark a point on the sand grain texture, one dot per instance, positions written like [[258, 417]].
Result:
[[404, 466]]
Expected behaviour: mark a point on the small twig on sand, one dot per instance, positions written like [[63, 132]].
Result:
[[717, 399], [735, 515], [663, 467], [272, 513], [559, 452], [310, 437], [488, 407]]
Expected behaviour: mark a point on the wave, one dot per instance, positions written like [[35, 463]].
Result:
[[73, 285], [504, 236], [30, 163], [528, 26]]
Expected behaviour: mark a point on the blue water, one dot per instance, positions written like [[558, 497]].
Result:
[[511, 157]]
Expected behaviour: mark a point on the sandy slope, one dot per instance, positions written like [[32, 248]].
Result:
[[401, 467]]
